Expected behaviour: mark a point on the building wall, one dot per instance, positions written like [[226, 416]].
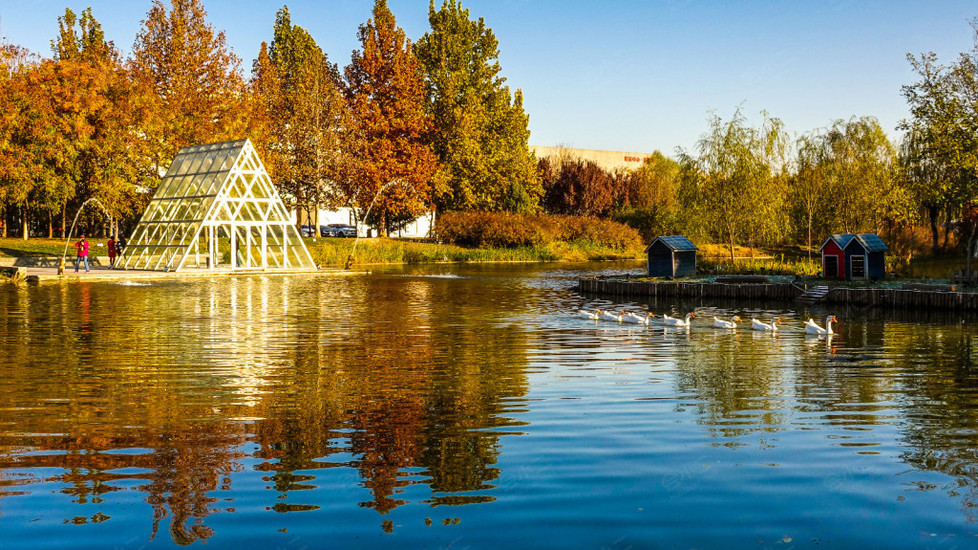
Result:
[[832, 249], [420, 228], [607, 160]]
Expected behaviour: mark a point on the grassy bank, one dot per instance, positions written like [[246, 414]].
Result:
[[334, 252], [712, 258], [15, 248]]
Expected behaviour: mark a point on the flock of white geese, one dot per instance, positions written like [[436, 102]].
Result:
[[811, 327]]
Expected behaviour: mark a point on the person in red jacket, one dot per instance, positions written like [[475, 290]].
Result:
[[111, 246], [82, 246]]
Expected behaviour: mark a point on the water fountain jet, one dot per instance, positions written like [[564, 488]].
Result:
[[61, 265], [349, 259]]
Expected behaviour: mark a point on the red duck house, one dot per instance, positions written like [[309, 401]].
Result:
[[853, 256]]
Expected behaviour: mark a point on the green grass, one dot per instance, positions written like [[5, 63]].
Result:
[[15, 248], [334, 252]]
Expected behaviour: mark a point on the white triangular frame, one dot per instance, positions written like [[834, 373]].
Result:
[[254, 222]]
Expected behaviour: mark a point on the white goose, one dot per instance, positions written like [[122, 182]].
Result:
[[811, 327], [636, 318], [720, 323], [588, 315], [608, 316], [673, 322], [760, 325]]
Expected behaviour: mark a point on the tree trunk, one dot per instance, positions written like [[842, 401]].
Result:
[[25, 223], [731, 247], [809, 236], [933, 213], [947, 229], [969, 251], [50, 224]]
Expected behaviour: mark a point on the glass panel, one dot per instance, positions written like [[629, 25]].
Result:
[[181, 190], [194, 164], [205, 166], [162, 190], [182, 165]]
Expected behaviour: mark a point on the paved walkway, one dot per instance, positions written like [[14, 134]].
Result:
[[42, 274]]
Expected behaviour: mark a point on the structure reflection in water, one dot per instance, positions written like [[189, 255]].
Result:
[[196, 379], [176, 406]]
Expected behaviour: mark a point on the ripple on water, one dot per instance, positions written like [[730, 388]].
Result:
[[451, 405]]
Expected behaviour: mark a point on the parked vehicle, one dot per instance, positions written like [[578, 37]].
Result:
[[339, 230], [307, 230]]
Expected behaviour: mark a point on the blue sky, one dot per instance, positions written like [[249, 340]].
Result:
[[627, 75]]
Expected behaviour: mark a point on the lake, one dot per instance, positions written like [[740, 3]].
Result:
[[470, 406]]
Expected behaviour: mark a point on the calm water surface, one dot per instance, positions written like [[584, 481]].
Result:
[[470, 407]]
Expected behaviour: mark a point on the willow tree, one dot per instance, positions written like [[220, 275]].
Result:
[[480, 130], [195, 78], [308, 132], [860, 165], [942, 154], [729, 182], [385, 92], [809, 193]]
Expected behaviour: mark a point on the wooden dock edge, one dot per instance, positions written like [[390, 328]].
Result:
[[895, 298]]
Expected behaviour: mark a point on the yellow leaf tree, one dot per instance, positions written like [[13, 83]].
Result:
[[386, 93]]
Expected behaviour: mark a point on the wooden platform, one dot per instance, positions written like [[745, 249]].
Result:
[[946, 297], [103, 273]]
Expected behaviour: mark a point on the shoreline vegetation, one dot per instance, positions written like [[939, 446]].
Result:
[[711, 261]]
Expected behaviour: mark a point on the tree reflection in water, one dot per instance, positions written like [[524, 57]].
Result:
[[167, 390], [172, 394], [915, 369]]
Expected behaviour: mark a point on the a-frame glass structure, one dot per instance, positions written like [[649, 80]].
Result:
[[216, 208]]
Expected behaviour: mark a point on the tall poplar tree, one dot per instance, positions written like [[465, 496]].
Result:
[[480, 130], [385, 91], [195, 77], [309, 132]]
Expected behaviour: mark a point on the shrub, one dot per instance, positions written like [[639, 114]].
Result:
[[504, 230]]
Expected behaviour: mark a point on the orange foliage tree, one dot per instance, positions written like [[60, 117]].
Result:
[[71, 128], [196, 79], [385, 91]]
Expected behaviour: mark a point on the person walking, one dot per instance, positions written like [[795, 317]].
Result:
[[120, 247], [111, 246], [82, 246]]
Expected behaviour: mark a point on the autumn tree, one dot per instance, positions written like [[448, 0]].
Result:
[[308, 134], [860, 164], [480, 129], [16, 152], [809, 194], [385, 91], [110, 160], [729, 178], [196, 79], [943, 157], [73, 128], [577, 187], [650, 196]]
